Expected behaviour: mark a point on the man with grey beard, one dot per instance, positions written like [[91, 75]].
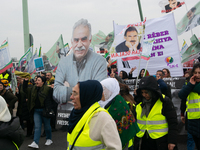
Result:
[[83, 64]]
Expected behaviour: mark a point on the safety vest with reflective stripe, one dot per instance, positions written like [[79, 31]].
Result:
[[15, 145], [193, 106], [84, 142], [155, 124], [5, 76]]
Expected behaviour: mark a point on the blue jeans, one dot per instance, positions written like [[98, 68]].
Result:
[[38, 119], [190, 142]]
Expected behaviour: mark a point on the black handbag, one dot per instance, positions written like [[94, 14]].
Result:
[[48, 113]]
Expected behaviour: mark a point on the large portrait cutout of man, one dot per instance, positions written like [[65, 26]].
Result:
[[132, 41], [80, 65]]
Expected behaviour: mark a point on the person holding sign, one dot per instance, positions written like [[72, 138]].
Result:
[[131, 42], [83, 64]]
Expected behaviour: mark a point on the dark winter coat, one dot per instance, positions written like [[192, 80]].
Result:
[[193, 126], [11, 132], [163, 86], [168, 110], [10, 99], [22, 109]]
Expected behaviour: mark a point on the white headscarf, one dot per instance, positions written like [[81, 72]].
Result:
[[5, 115], [110, 90]]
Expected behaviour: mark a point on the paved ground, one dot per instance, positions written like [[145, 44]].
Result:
[[58, 138], [59, 142]]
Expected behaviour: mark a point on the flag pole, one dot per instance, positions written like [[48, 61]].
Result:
[[146, 68], [141, 17], [140, 10]]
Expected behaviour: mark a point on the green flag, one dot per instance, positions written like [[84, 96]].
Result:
[[39, 55], [190, 20], [53, 53], [193, 51], [97, 39], [111, 39], [25, 58]]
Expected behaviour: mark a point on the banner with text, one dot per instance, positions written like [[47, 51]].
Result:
[[165, 51]]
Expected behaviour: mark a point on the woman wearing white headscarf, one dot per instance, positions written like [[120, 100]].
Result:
[[110, 90], [119, 110], [11, 134]]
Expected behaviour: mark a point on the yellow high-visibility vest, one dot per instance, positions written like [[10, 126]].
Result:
[[16, 145], [155, 124], [5, 76], [193, 106], [84, 142]]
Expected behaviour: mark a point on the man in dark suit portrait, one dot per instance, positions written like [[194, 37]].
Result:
[[131, 42]]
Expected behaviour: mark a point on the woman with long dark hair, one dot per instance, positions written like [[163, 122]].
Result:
[[123, 75]]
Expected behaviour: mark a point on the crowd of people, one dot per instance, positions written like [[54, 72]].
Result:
[[105, 114], [33, 96]]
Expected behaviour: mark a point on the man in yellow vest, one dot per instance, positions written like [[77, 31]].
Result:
[[156, 117], [90, 126]]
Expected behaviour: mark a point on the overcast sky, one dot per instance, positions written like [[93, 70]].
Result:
[[50, 18]]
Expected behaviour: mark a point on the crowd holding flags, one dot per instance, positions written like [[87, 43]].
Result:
[[110, 42]]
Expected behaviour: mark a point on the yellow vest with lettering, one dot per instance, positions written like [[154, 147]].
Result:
[[84, 142], [193, 106], [155, 124]]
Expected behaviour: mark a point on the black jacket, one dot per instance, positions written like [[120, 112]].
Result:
[[11, 131], [168, 110], [193, 125], [22, 109]]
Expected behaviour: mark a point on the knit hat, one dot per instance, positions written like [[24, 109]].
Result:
[[4, 82], [5, 115]]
